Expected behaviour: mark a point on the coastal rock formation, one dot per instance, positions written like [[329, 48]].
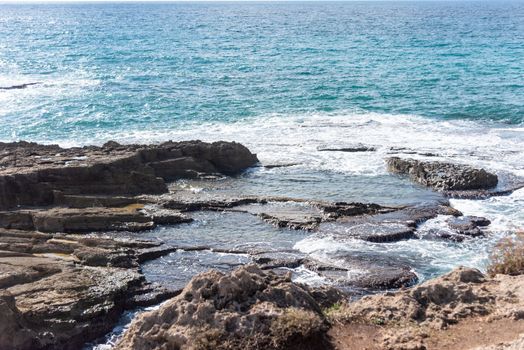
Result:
[[33, 174], [351, 149], [59, 291], [468, 225], [443, 176], [386, 225], [368, 272], [413, 318], [246, 309], [135, 217]]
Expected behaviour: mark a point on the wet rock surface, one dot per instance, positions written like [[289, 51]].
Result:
[[247, 308], [468, 225], [443, 176]]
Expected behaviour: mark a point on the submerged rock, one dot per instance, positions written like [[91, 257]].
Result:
[[370, 272], [247, 308], [351, 149], [443, 176]]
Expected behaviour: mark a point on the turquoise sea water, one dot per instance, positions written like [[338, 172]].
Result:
[[109, 69]]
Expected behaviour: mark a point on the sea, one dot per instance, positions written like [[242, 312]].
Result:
[[286, 79]]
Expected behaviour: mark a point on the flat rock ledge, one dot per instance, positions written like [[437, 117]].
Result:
[[443, 176], [246, 309], [35, 175]]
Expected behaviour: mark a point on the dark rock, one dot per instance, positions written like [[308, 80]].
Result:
[[468, 225], [284, 165], [340, 209], [183, 167], [18, 87], [446, 235], [30, 174], [443, 176], [274, 260], [356, 148], [369, 272], [370, 231]]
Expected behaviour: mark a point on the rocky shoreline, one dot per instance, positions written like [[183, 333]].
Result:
[[62, 284]]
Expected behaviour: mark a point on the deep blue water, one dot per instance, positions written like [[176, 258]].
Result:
[[115, 68]]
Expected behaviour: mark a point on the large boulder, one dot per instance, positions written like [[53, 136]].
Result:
[[443, 176], [33, 174], [246, 309]]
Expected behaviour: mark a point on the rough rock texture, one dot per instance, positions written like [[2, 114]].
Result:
[[247, 309], [135, 217], [59, 291], [54, 303], [407, 317], [443, 176], [32, 174]]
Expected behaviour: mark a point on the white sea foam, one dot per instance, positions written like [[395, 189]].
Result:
[[297, 138]]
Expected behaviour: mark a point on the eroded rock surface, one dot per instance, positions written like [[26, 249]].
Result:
[[247, 308], [443, 176], [30, 173], [408, 317], [59, 291]]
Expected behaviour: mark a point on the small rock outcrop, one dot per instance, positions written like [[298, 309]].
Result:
[[246, 309], [443, 176]]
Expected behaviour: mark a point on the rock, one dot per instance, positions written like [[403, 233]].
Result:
[[468, 225], [370, 231], [352, 149], [385, 224], [18, 87], [283, 165], [247, 308], [183, 167], [60, 291], [517, 344], [443, 176], [340, 209], [275, 260], [443, 234], [368, 272], [414, 318], [135, 217], [31, 174], [438, 302]]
